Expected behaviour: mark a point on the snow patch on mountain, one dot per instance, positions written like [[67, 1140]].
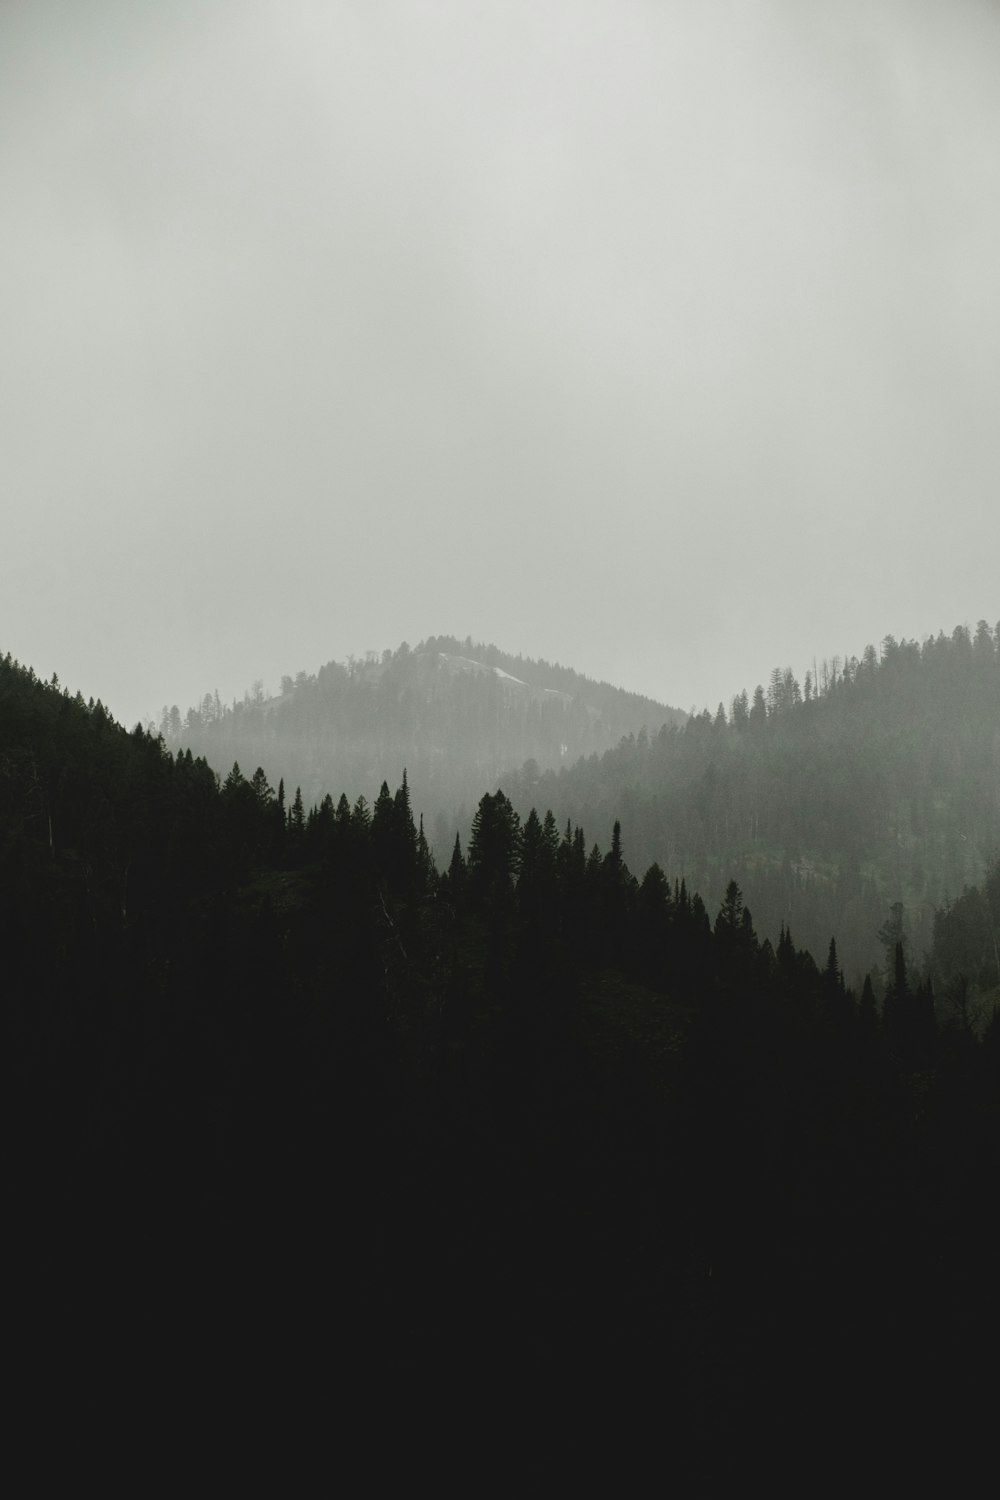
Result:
[[465, 663]]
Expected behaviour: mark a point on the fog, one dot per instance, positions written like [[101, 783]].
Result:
[[655, 338]]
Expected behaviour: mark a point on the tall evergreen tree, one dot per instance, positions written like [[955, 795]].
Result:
[[494, 846]]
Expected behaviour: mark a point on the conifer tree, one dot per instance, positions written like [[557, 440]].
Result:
[[425, 871], [297, 822], [404, 853], [456, 870], [550, 842], [383, 828], [262, 791], [234, 781], [614, 856], [530, 854], [494, 846]]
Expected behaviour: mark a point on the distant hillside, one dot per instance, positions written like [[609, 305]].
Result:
[[830, 801], [456, 715]]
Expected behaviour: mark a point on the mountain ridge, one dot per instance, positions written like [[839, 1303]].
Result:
[[457, 715], [874, 784]]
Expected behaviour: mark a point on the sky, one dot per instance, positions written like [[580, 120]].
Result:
[[656, 338]]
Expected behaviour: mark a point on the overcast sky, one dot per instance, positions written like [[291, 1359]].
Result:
[[657, 337]]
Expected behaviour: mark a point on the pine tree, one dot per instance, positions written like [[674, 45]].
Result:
[[456, 870], [234, 781], [425, 871], [404, 853], [530, 854], [730, 918], [896, 1004], [614, 856], [550, 842], [297, 822], [757, 716], [383, 832], [263, 792], [494, 846]]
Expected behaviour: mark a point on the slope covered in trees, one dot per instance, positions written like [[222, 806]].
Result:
[[965, 954], [293, 1116], [459, 715], [875, 786]]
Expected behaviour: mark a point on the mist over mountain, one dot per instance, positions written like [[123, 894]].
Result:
[[874, 784], [455, 715]]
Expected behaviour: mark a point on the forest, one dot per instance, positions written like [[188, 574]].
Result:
[[515, 1126], [872, 787], [459, 714]]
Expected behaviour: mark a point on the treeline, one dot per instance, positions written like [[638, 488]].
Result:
[[459, 714], [876, 783], [529, 1123]]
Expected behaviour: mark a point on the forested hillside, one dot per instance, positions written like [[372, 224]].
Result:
[[457, 715], [831, 802], [965, 954], [299, 1123]]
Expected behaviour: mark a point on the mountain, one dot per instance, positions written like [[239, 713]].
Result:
[[276, 1089], [875, 786], [455, 715], [871, 787]]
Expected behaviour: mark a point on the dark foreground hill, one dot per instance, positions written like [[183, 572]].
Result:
[[875, 787], [307, 1140], [456, 715]]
